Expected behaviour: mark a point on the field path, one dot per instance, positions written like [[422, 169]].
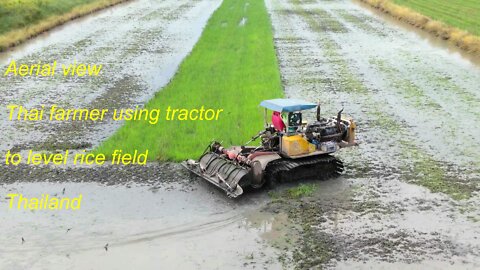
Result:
[[140, 45], [412, 193]]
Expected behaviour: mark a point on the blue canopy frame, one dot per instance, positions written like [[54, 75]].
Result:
[[287, 105]]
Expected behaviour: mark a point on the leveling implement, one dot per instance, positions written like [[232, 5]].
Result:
[[288, 151]]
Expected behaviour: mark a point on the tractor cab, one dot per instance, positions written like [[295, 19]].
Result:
[[300, 139], [292, 108]]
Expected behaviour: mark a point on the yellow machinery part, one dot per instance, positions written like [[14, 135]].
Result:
[[296, 145], [351, 132]]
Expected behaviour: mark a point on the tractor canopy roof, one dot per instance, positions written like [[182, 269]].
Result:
[[287, 105]]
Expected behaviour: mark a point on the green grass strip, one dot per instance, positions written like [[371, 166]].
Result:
[[232, 67], [301, 191], [463, 14], [21, 13]]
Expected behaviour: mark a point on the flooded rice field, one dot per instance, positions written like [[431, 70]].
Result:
[[409, 196], [412, 184], [134, 227], [140, 45]]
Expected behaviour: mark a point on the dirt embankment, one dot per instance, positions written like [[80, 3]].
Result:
[[18, 36], [460, 38]]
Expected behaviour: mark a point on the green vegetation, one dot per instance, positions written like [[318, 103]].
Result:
[[297, 192], [232, 67], [301, 191], [23, 19], [463, 14], [20, 13], [430, 174], [456, 21]]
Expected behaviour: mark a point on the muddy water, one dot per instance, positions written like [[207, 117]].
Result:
[[411, 193], [139, 44], [144, 227]]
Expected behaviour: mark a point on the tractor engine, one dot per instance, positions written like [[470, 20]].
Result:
[[326, 130], [270, 139]]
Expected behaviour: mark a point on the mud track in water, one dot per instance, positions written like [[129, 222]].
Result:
[[409, 197]]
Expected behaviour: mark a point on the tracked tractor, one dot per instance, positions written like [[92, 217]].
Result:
[[290, 149]]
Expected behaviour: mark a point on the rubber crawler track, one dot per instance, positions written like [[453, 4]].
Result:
[[314, 168]]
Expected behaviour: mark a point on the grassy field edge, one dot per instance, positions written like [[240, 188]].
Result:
[[233, 67], [18, 36], [459, 37]]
